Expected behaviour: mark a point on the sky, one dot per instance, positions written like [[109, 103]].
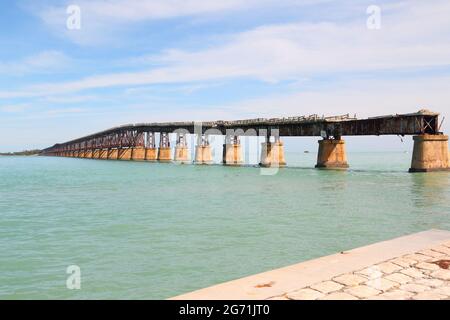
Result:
[[133, 61]]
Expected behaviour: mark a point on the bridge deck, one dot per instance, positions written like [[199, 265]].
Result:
[[422, 122]]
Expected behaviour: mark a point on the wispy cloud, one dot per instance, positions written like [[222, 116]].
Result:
[[70, 99], [361, 96], [102, 19], [294, 51], [43, 62], [14, 108], [54, 112]]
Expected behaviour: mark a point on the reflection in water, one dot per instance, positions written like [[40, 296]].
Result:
[[332, 186], [430, 189]]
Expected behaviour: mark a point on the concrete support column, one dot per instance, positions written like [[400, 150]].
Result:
[[113, 154], [88, 154], [96, 154], [332, 154], [430, 153], [272, 153], [103, 154], [124, 154], [181, 149], [151, 151], [138, 154], [151, 154], [164, 152], [203, 154], [232, 152]]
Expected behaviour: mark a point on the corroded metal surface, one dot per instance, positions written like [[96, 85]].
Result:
[[133, 135]]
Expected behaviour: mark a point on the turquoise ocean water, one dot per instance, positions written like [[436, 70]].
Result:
[[151, 231]]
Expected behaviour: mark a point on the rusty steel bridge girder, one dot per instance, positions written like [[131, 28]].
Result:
[[133, 135]]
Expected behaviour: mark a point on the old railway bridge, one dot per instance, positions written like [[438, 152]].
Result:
[[138, 141]]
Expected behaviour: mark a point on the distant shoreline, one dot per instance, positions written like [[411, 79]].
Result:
[[22, 153]]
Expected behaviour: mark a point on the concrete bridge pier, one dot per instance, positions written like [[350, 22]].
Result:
[[181, 149], [151, 152], [138, 153], [164, 152], [88, 154], [113, 154], [272, 153], [124, 154], [203, 153], [232, 152], [430, 153], [103, 154], [332, 154]]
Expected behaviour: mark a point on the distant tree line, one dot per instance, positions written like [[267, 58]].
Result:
[[22, 153]]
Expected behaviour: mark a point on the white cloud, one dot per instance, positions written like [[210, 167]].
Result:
[[17, 108], [137, 10], [54, 112], [294, 51], [363, 97], [408, 39], [69, 99], [43, 62], [103, 20]]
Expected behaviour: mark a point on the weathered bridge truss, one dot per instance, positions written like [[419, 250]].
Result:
[[133, 135], [140, 138]]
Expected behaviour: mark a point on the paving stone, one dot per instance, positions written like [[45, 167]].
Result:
[[327, 286], [418, 257], [362, 291], [399, 277], [416, 288], [426, 272], [430, 282], [413, 272], [427, 266], [442, 274], [371, 272], [394, 295], [444, 290], [382, 284], [279, 298], [411, 276], [404, 262], [350, 279], [388, 267], [431, 253], [339, 296], [428, 295], [305, 294], [442, 249]]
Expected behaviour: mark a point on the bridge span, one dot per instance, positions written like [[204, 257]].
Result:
[[138, 141]]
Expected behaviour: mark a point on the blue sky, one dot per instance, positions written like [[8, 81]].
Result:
[[160, 60]]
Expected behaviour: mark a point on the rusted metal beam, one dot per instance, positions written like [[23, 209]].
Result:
[[133, 135]]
